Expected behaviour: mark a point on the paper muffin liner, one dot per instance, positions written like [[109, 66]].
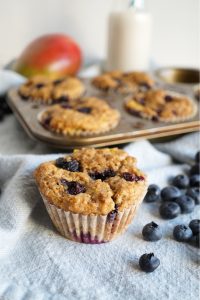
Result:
[[91, 229], [78, 133]]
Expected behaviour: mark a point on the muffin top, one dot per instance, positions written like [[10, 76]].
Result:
[[81, 117], [91, 181], [43, 89], [160, 105], [123, 82]]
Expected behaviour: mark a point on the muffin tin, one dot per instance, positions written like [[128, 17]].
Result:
[[130, 128]]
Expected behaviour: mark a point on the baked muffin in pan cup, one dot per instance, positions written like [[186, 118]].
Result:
[[43, 90], [85, 117]]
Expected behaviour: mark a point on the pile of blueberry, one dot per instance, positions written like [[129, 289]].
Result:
[[188, 233], [152, 232], [180, 197], [4, 108]]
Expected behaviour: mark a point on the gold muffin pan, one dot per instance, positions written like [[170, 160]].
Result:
[[130, 128]]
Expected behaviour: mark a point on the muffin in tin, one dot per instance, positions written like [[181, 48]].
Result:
[[83, 117], [92, 195], [123, 82], [161, 105], [47, 91]]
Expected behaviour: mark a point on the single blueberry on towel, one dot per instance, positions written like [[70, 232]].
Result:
[[181, 181], [169, 193], [152, 232], [148, 262], [169, 210], [182, 233], [186, 203], [153, 193]]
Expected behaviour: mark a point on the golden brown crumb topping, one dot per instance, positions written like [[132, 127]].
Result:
[[82, 117], [92, 181], [41, 88], [160, 105], [123, 82]]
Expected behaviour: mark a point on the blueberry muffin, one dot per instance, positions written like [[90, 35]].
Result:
[[85, 116], [123, 82], [160, 105], [91, 195], [43, 89]]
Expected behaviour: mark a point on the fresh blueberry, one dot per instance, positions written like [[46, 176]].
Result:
[[181, 181], [148, 262], [132, 177], [85, 110], [186, 203], [197, 157], [58, 81], [182, 233], [169, 210], [75, 188], [152, 232], [66, 105], [169, 193], [195, 226], [168, 98], [61, 162], [195, 180], [194, 193], [195, 169], [153, 193], [61, 99], [39, 85], [72, 165], [103, 175]]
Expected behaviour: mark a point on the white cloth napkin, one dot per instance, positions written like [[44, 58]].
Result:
[[9, 79], [36, 263]]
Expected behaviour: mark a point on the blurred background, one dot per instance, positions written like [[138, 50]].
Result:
[[175, 38]]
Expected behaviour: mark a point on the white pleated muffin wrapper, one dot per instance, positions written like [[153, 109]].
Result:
[[91, 229]]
